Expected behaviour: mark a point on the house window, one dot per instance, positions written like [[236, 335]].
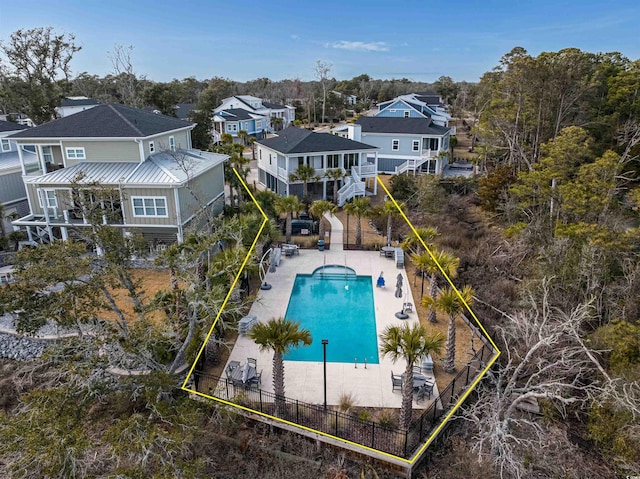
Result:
[[406, 113], [49, 197], [350, 160], [333, 161], [73, 153], [233, 127], [47, 154], [415, 145], [246, 125], [259, 154], [152, 147], [150, 206], [6, 146], [258, 124], [395, 145], [269, 158], [172, 143]]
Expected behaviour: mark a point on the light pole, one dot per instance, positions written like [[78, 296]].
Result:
[[347, 236], [324, 348]]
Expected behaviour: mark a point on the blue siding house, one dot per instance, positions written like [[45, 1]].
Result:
[[414, 105], [409, 144]]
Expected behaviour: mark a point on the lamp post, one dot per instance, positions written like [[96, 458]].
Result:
[[347, 236], [324, 349]]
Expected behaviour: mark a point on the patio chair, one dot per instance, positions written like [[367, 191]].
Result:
[[234, 364], [253, 362], [424, 390], [396, 382], [407, 307], [256, 380]]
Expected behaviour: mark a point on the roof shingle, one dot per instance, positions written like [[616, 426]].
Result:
[[297, 140], [106, 121], [381, 124]]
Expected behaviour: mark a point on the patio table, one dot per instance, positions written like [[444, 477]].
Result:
[[243, 374], [388, 251]]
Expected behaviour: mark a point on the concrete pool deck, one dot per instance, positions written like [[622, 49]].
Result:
[[371, 387]]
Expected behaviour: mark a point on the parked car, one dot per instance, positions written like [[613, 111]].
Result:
[[302, 227]]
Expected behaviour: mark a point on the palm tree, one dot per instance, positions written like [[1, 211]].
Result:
[[450, 303], [336, 175], [243, 135], [412, 241], [318, 209], [277, 123], [279, 335], [390, 211], [409, 342], [288, 205], [252, 144], [359, 207], [433, 263], [304, 173]]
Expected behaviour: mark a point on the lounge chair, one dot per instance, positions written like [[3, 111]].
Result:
[[253, 362], [396, 382]]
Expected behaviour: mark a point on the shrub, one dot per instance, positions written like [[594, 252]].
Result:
[[346, 402], [386, 418], [402, 186]]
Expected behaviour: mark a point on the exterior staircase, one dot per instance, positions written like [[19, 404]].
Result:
[[353, 186], [411, 165]]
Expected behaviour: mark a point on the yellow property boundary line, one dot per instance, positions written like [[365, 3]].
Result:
[[418, 453]]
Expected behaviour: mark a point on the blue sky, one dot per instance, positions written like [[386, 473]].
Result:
[[243, 40]]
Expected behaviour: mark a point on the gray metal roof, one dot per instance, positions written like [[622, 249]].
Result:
[[11, 160], [105, 121], [163, 168], [107, 173]]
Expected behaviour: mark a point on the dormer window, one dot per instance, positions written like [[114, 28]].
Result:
[[6, 146], [172, 143]]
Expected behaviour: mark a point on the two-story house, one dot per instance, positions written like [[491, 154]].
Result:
[[415, 145], [234, 120], [414, 105], [406, 144], [270, 116], [279, 158], [163, 185], [13, 196]]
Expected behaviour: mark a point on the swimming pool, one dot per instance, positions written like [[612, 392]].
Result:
[[336, 306]]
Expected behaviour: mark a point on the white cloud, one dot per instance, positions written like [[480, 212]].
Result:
[[359, 46], [294, 37]]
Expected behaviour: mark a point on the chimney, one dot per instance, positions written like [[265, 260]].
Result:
[[354, 131]]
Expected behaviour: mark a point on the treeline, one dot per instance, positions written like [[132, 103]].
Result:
[[560, 139], [36, 73]]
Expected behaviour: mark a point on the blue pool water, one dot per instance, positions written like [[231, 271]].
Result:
[[340, 309]]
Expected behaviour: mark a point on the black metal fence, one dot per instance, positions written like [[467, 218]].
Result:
[[347, 426]]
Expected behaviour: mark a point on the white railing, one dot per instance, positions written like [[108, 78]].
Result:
[[365, 169], [216, 136], [428, 153], [353, 186], [411, 165], [282, 173]]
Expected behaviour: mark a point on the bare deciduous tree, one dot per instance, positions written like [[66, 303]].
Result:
[[546, 359], [128, 83], [321, 71]]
